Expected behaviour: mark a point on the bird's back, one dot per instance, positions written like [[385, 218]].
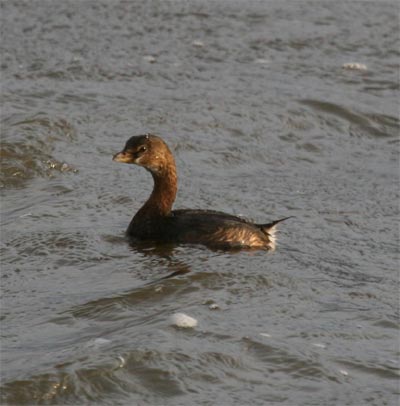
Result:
[[211, 228]]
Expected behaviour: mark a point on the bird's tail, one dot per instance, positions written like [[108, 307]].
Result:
[[270, 230]]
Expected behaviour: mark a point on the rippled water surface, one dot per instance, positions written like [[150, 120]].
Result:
[[266, 120]]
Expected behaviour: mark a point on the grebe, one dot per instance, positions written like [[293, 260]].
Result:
[[156, 221]]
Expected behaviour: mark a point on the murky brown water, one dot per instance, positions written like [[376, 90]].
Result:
[[264, 122]]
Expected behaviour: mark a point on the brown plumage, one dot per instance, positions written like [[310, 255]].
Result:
[[156, 221]]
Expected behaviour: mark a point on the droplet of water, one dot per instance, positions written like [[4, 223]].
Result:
[[354, 66], [319, 345], [150, 58], [198, 43]]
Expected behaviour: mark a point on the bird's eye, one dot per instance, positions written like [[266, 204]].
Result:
[[142, 149]]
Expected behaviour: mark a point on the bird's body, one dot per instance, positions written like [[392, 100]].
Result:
[[157, 222]]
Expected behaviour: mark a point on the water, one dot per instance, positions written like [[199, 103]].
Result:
[[264, 122]]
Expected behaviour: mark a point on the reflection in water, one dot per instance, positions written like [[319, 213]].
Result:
[[163, 251], [138, 295]]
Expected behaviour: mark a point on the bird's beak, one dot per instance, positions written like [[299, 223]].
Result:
[[122, 157]]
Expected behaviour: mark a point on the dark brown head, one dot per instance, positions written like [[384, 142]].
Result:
[[148, 151]]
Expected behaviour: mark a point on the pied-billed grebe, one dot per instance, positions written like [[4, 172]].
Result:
[[155, 221]]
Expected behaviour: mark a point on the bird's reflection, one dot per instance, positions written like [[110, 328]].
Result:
[[164, 252], [106, 306]]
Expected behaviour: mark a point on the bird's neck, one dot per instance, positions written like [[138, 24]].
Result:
[[163, 195]]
